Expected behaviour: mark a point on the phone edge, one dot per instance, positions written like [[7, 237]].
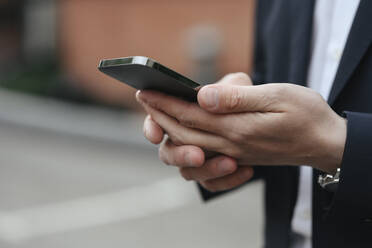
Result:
[[148, 62]]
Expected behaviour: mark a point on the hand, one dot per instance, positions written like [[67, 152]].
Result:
[[271, 124], [214, 173]]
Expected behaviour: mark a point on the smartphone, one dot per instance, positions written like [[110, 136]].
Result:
[[145, 73]]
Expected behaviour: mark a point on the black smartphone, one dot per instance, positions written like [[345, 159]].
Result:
[[145, 73]]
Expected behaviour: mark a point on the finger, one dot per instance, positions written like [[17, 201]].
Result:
[[240, 176], [222, 98], [181, 135], [152, 131], [186, 113], [181, 156], [238, 78], [217, 167]]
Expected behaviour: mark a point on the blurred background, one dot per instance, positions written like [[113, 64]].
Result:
[[75, 170]]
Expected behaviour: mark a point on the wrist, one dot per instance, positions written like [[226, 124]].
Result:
[[332, 149]]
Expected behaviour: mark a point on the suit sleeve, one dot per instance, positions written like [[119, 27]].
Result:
[[355, 187]]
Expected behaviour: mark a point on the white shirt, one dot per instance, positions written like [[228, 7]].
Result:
[[331, 26]]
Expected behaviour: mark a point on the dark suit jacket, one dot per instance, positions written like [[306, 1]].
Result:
[[282, 54]]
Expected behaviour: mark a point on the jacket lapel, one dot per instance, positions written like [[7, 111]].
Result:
[[359, 40]]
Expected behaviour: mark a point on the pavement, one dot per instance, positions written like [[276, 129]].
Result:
[[80, 176]]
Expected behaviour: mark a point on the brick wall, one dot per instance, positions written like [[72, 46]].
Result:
[[95, 29]]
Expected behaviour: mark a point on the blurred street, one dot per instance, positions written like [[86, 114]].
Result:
[[75, 169], [78, 176]]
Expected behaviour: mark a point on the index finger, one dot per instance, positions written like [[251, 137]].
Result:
[[186, 113]]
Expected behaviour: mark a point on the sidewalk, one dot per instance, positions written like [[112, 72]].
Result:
[[74, 176]]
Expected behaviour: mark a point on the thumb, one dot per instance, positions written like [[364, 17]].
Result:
[[220, 98]]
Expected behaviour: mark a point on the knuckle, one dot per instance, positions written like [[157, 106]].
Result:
[[185, 120], [235, 136], [186, 117], [241, 76], [234, 150], [228, 77], [233, 99], [279, 90], [276, 94], [275, 90], [237, 76], [155, 104]]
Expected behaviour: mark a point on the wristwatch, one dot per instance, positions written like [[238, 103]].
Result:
[[330, 182]]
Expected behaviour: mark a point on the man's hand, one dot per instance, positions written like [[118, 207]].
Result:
[[271, 124], [213, 172]]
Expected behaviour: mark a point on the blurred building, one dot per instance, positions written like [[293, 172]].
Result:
[[82, 175], [95, 29], [52, 47]]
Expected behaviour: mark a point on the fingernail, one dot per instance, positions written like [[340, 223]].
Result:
[[141, 97], [210, 97], [146, 129], [224, 166]]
